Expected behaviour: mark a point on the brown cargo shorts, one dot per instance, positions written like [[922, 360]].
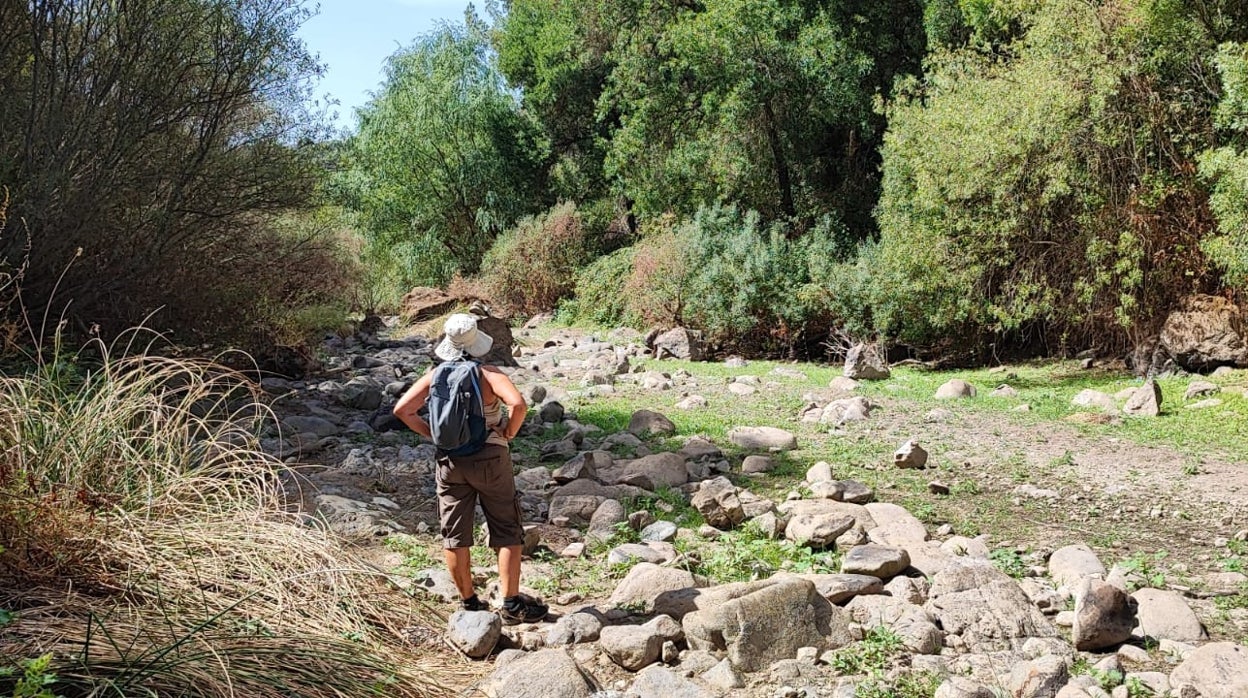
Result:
[[485, 475]]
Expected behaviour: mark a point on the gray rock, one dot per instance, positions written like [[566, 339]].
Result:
[[839, 588], [578, 509], [1215, 670], [639, 520], [1095, 399], [1206, 331], [653, 589], [633, 647], [723, 677], [819, 472], [762, 438], [692, 402], [875, 560], [658, 470], [630, 553], [851, 409], [475, 633], [647, 422], [984, 607], [574, 628], [817, 529], [1039, 678], [770, 623], [910, 455], [758, 464], [296, 424], [1104, 615], [856, 492], [962, 687], [842, 384], [771, 526], [718, 503], [955, 389], [548, 673], [1003, 390], [358, 393], [662, 531], [1145, 401], [551, 412], [1069, 565], [866, 362], [680, 343], [661, 682], [1164, 615], [437, 582]]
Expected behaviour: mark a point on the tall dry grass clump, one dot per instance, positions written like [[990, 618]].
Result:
[[145, 546]]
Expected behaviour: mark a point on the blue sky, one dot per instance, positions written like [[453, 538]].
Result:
[[354, 38]]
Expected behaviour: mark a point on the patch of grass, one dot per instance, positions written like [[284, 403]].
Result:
[[907, 685], [667, 504], [871, 657], [416, 555], [1009, 561], [1147, 567], [746, 554]]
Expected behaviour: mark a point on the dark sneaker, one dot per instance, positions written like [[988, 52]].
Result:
[[528, 610], [474, 604]]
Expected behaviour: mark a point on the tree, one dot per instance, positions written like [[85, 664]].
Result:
[[443, 160]]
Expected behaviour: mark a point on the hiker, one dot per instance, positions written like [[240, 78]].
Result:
[[480, 469]]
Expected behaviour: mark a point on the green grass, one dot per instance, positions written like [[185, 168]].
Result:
[[746, 555]]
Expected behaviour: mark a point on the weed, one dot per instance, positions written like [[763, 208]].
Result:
[[967, 487], [747, 554], [871, 656], [1146, 566], [415, 554], [1009, 561], [909, 685], [35, 679]]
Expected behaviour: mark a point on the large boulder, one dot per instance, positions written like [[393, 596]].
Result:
[[1205, 332], [866, 362], [550, 673], [651, 588], [1215, 670], [769, 624], [424, 303], [498, 330], [984, 607], [679, 343], [654, 471], [1164, 615]]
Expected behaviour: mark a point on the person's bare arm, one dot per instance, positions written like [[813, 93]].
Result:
[[506, 391], [409, 405]]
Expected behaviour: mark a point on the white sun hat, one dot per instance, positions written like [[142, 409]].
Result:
[[462, 336]]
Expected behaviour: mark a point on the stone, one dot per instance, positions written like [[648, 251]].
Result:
[[1200, 388], [698, 448], [819, 472], [910, 455], [297, 424], [1205, 404], [1039, 678], [938, 487], [550, 412], [573, 550], [663, 531], [436, 581], [1095, 399], [475, 633], [827, 489], [652, 589], [817, 529], [632, 647], [962, 687], [584, 465], [680, 343], [771, 526], [984, 607], [955, 389], [1206, 331], [723, 677], [1165, 615], [1004, 391], [856, 492], [630, 553], [851, 409], [839, 588], [1154, 681], [762, 438], [1104, 615], [909, 589], [660, 682], [718, 503], [654, 471], [1145, 401], [961, 546], [866, 362], [1215, 670], [758, 464], [768, 624], [425, 303], [1069, 565], [548, 673], [647, 423], [692, 402], [842, 384], [875, 560], [605, 519], [741, 389], [574, 628], [638, 520]]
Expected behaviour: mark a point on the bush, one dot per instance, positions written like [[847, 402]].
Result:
[[597, 299], [533, 266], [657, 288], [146, 547]]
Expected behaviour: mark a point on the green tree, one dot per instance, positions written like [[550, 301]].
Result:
[[443, 160]]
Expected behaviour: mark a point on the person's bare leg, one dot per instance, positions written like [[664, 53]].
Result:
[[459, 562], [509, 570]]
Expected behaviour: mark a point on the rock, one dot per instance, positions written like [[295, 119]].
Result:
[[962, 687], [630, 553], [1165, 615], [1206, 331], [425, 303], [937, 487], [1104, 615], [646, 423], [436, 581], [842, 384], [741, 389], [698, 448], [475, 633], [1200, 389], [638, 520], [1204, 404], [1215, 670], [875, 560], [550, 412], [910, 455], [584, 465], [1153, 681], [654, 471], [679, 343], [984, 607], [296, 424], [955, 389], [1003, 390], [818, 529], [909, 589], [661, 531], [1145, 401], [652, 589], [573, 550], [633, 647], [770, 623], [692, 402], [819, 472], [838, 412], [661, 682], [866, 362], [856, 492], [839, 588], [574, 628], [771, 526], [605, 520], [723, 677], [1069, 565], [717, 501], [758, 464], [762, 438], [1039, 678], [548, 673], [1095, 399], [961, 546]]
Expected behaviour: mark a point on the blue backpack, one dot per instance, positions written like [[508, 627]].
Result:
[[457, 409]]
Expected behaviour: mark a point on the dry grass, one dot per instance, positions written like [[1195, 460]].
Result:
[[145, 546]]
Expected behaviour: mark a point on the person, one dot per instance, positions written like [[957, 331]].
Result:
[[485, 476]]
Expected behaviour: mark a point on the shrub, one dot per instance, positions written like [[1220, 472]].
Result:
[[598, 300], [533, 266], [146, 547], [657, 289]]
